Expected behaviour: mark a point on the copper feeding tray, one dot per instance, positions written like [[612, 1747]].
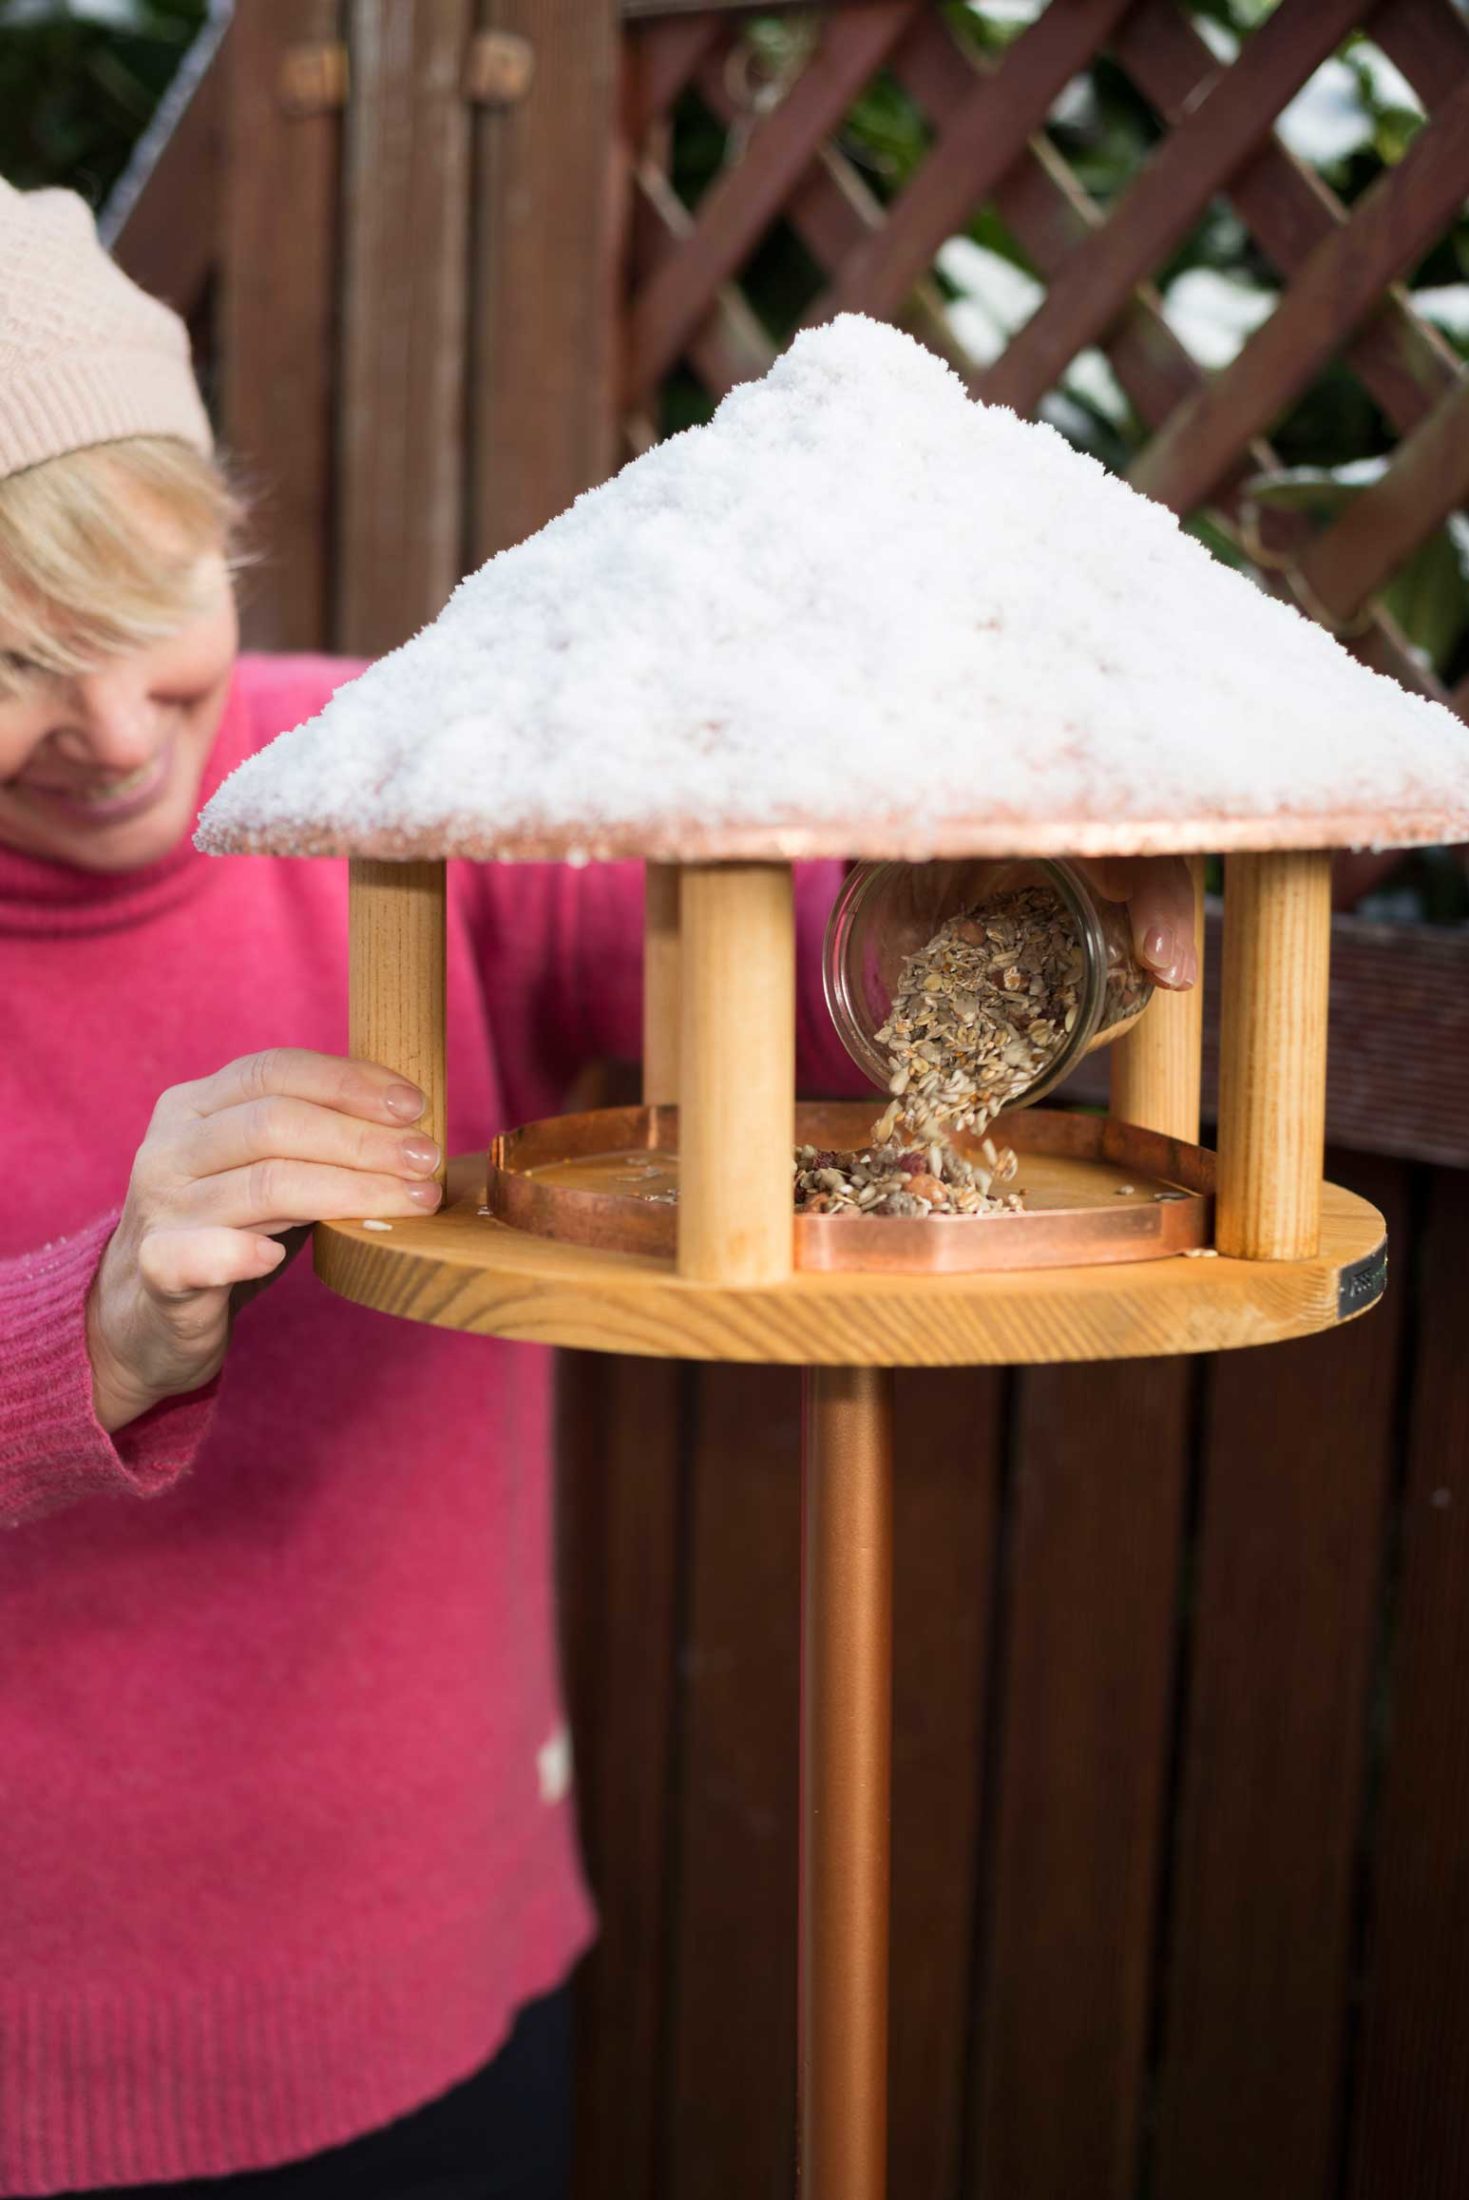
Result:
[[1095, 1190]]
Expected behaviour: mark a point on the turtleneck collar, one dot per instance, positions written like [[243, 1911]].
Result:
[[39, 895]]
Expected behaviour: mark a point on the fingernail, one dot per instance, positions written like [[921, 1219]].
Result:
[[405, 1101], [420, 1153], [423, 1195], [1158, 947]]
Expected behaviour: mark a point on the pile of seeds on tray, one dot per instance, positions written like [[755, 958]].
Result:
[[897, 1180], [977, 1016]]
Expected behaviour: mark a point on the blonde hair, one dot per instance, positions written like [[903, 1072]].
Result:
[[81, 579]]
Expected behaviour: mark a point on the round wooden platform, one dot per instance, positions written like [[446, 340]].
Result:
[[460, 1269]]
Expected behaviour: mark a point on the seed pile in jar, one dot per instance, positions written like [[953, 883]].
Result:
[[977, 1016]]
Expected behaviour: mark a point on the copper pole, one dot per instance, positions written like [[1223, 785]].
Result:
[[846, 1763]]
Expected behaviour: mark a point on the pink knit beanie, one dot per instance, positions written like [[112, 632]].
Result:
[[85, 356]]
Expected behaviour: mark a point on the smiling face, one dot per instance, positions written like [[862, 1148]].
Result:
[[118, 636], [102, 769]]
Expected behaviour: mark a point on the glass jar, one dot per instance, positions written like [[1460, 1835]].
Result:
[[889, 911]]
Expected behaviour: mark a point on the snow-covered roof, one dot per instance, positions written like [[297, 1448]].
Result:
[[857, 613]]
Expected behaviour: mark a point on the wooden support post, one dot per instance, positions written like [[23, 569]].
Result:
[[1158, 1066], [397, 984], [846, 1769], [737, 1073], [660, 986], [1272, 1055]]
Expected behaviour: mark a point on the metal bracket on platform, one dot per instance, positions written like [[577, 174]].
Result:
[[1363, 1284], [500, 68]]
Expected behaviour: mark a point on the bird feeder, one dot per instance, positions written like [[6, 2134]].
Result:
[[859, 616]]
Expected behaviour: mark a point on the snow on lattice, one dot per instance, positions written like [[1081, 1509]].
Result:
[[852, 610]]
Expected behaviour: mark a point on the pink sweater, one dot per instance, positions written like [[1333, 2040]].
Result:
[[284, 1829]]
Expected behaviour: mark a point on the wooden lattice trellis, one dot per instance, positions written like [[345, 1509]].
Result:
[[1340, 268]]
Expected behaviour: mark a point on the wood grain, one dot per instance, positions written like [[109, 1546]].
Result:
[[1411, 2128], [278, 352], [460, 1270], [846, 1781], [727, 2081], [549, 197], [1272, 1059], [1158, 1066], [737, 1069], [1099, 1474], [397, 1013], [620, 1459], [949, 1444], [1297, 1460], [400, 548], [661, 1012]]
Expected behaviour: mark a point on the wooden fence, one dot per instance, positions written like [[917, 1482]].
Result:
[[1181, 1841]]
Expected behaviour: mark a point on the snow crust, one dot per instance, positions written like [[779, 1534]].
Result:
[[856, 595]]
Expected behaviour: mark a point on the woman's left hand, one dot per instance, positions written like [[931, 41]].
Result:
[[1159, 892]]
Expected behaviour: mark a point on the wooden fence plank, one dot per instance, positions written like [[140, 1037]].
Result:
[[729, 2103], [550, 202], [1406, 364], [1168, 197], [402, 442], [1412, 2123], [277, 366], [1290, 1554], [948, 1445], [1099, 1483], [983, 136], [620, 1515], [1392, 225], [170, 257], [740, 205]]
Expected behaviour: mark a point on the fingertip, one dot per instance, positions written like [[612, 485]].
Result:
[[404, 1102], [270, 1251], [1157, 949]]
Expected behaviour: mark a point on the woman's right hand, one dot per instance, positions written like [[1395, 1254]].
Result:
[[272, 1141]]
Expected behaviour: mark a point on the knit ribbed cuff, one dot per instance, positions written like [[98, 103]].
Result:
[[73, 402], [53, 1449]]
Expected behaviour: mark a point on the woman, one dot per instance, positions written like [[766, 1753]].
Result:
[[288, 1887]]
